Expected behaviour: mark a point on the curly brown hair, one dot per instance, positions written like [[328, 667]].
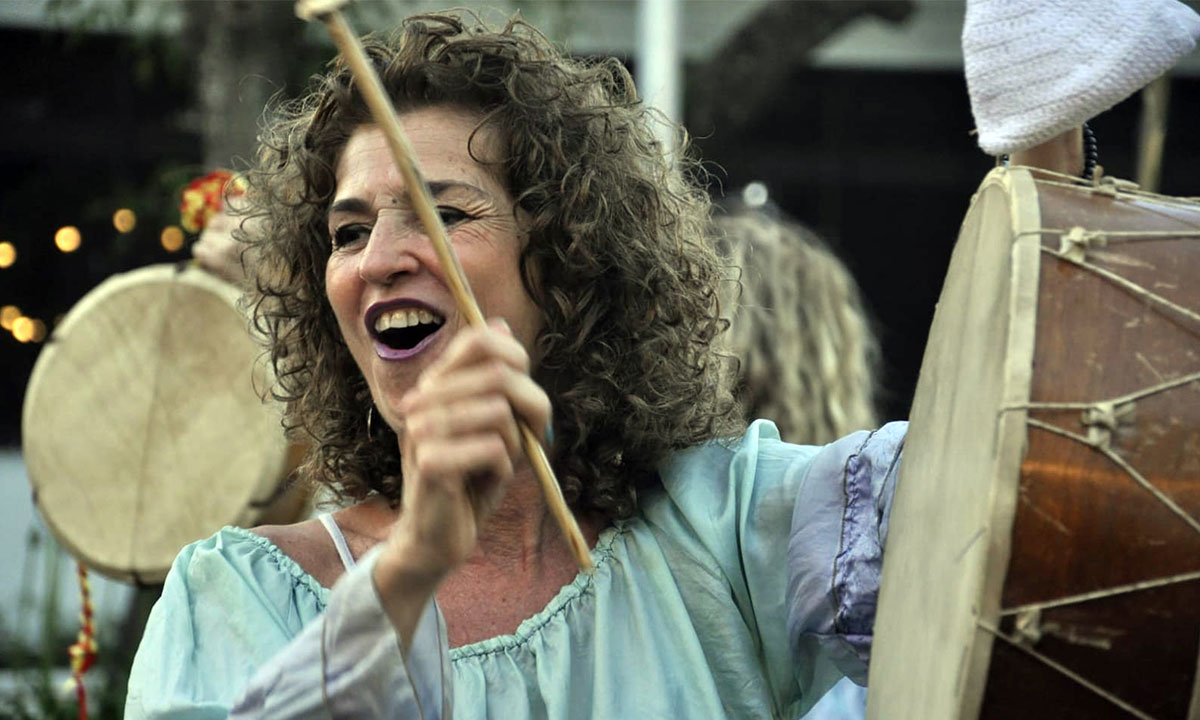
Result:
[[617, 259]]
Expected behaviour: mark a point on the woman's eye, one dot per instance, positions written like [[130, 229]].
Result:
[[451, 215], [350, 234]]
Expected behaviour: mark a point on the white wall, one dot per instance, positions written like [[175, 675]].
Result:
[[29, 571]]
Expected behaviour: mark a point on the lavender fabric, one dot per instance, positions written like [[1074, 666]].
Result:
[[832, 589]]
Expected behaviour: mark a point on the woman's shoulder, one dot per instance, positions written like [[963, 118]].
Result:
[[733, 466], [235, 565], [760, 456], [754, 481], [229, 602], [313, 545]]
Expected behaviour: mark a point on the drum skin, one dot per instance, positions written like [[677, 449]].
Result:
[[1001, 524], [143, 428]]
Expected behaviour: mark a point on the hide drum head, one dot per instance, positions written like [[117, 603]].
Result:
[[143, 427]]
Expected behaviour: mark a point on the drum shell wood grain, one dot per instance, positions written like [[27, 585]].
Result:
[[990, 515], [143, 426], [1083, 523]]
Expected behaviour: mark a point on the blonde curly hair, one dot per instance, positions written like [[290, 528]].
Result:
[[808, 356]]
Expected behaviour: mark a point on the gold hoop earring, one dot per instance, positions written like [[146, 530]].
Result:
[[370, 415]]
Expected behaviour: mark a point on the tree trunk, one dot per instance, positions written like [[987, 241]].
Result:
[[242, 60]]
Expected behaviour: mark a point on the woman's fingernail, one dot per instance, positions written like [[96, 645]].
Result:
[[549, 434]]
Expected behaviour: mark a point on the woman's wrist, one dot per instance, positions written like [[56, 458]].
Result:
[[406, 583]]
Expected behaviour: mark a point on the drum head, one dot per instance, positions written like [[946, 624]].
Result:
[[143, 428], [947, 546]]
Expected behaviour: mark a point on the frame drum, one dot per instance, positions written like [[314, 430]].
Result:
[[1043, 557], [143, 429]]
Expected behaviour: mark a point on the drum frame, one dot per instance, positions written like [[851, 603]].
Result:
[[1089, 611], [946, 657]]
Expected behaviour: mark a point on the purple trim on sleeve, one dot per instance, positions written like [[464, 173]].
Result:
[[869, 485], [839, 526]]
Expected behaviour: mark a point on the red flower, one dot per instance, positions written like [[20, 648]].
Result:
[[203, 198]]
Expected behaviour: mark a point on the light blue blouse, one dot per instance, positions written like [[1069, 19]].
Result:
[[744, 588]]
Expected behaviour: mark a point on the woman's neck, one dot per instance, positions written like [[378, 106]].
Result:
[[521, 534], [520, 564]]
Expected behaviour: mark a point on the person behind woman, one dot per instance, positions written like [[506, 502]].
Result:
[[735, 575], [808, 357]]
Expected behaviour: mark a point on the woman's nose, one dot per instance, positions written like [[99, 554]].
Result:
[[392, 249]]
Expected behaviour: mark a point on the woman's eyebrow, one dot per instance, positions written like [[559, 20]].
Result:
[[350, 206], [437, 187], [357, 206]]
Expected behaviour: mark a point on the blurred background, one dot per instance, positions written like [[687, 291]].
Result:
[[852, 115]]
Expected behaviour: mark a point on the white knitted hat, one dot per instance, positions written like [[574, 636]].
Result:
[[1036, 68]]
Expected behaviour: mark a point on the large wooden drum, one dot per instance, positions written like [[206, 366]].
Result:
[[143, 428], [1043, 559]]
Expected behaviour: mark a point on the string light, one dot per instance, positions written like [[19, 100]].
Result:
[[8, 314], [67, 238], [124, 220], [22, 329], [39, 331], [8, 254], [172, 238]]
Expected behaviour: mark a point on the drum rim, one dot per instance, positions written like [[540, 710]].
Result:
[[1010, 440]]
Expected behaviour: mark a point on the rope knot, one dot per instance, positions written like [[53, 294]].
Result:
[[1102, 420], [1028, 627], [1075, 243], [1111, 186]]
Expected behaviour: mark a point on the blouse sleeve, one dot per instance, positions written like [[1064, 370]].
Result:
[[348, 664], [229, 603], [835, 548], [239, 632], [797, 532]]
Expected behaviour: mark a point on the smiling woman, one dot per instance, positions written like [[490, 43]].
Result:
[[717, 590], [383, 269]]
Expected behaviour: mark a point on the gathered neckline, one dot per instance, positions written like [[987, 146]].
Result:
[[284, 561], [528, 628], [561, 601]]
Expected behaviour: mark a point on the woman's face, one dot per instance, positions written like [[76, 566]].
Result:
[[387, 290]]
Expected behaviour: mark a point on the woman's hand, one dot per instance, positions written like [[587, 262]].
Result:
[[459, 447], [218, 252]]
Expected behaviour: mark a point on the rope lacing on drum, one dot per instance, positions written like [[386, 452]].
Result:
[[1102, 418], [1076, 253], [1075, 243], [1102, 421], [1113, 186], [1102, 184], [1024, 647]]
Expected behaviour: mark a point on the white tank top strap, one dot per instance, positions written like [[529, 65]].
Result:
[[339, 540]]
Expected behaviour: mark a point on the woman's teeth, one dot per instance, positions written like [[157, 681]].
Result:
[[405, 317]]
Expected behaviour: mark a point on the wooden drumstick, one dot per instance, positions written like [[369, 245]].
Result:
[[329, 12]]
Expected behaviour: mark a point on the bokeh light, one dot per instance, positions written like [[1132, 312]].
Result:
[[124, 220], [39, 331], [22, 329], [8, 314], [755, 194], [67, 238], [8, 254], [172, 238]]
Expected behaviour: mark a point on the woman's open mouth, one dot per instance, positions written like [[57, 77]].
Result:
[[401, 332]]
